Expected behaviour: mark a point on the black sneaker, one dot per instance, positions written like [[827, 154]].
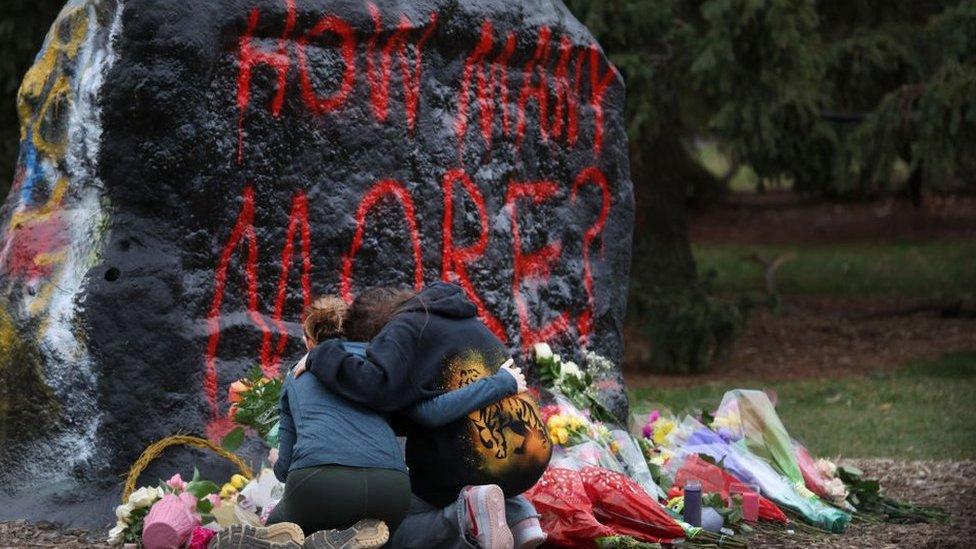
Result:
[[284, 535], [365, 534]]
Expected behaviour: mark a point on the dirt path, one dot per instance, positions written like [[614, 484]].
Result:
[[948, 484]]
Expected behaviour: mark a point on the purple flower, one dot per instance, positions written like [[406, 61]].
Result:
[[648, 430]]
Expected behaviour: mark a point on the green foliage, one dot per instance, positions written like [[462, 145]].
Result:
[[258, 407], [698, 329], [865, 495], [23, 26], [757, 71], [830, 95], [233, 440], [624, 542]]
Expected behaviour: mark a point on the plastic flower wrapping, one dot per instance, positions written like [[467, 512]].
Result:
[[692, 436]]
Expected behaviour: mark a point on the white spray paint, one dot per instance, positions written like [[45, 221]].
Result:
[[68, 366]]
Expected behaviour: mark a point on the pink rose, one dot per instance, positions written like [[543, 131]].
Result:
[[548, 411], [214, 499], [177, 483]]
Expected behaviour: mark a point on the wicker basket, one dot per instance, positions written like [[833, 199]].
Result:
[[154, 450]]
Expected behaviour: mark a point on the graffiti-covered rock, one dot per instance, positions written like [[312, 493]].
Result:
[[192, 174]]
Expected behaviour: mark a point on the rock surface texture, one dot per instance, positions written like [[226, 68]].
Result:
[[192, 174]]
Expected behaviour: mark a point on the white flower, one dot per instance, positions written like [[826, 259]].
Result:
[[542, 351], [123, 511], [117, 535], [144, 497], [836, 491], [571, 369], [827, 468]]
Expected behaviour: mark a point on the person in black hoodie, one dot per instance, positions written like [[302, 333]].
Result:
[[432, 342]]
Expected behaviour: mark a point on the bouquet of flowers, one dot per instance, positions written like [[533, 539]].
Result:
[[132, 514], [569, 380], [820, 477], [254, 404], [585, 442]]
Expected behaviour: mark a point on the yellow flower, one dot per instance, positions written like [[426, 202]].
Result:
[[562, 436], [557, 421], [662, 428], [227, 491], [614, 447], [238, 481], [730, 422]]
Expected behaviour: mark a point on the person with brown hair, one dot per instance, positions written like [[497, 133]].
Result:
[[343, 469], [467, 474]]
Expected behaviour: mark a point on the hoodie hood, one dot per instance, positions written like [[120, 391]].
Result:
[[442, 298]]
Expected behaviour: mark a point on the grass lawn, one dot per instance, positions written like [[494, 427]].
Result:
[[925, 410], [920, 270]]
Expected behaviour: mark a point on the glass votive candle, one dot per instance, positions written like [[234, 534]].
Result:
[[750, 500]]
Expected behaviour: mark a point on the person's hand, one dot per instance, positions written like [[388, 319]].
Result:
[[299, 368], [273, 457], [509, 366]]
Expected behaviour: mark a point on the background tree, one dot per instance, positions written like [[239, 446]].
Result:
[[834, 96], [23, 26]]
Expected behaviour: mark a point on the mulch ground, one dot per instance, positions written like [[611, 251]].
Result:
[[947, 484]]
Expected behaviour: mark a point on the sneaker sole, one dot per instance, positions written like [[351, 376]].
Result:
[[491, 499], [277, 536], [365, 534]]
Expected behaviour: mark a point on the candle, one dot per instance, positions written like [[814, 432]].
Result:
[[692, 510], [750, 506], [750, 500]]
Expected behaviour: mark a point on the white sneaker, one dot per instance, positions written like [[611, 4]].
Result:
[[528, 533], [486, 517]]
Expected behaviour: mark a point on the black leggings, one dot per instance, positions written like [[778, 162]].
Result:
[[333, 496]]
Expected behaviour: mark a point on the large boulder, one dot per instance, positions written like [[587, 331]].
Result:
[[193, 173]]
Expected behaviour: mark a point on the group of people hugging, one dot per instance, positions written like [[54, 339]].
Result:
[[420, 365]]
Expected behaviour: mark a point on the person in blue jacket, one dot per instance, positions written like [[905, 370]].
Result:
[[346, 482]]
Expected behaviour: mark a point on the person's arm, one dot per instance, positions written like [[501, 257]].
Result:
[[380, 381], [449, 407], [286, 437]]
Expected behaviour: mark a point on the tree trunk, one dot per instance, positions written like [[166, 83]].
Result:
[[685, 328]]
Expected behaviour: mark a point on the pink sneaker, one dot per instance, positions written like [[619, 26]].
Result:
[[528, 533], [486, 517]]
